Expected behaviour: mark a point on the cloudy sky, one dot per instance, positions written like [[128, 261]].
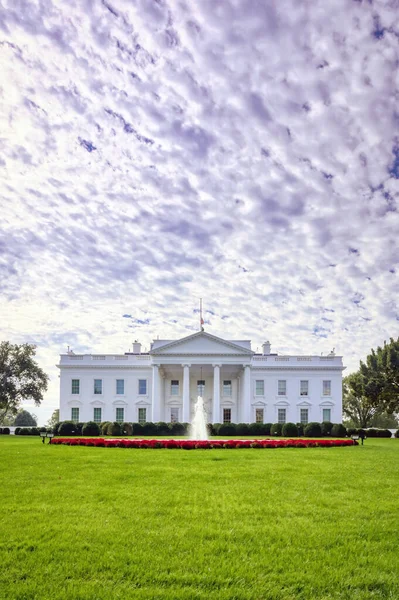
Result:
[[157, 151]]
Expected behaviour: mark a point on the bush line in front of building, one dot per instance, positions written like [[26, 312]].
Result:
[[325, 429]]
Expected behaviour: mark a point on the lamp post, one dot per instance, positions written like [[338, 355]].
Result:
[[43, 435]]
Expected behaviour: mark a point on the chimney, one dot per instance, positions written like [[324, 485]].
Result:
[[136, 347], [266, 348]]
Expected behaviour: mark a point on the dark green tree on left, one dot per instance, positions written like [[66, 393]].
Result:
[[21, 378]]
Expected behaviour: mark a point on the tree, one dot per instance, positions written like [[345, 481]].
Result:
[[54, 419], [21, 378], [25, 418], [355, 404], [380, 376]]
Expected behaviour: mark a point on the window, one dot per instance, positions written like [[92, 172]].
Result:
[[174, 415], [327, 414], [120, 386], [75, 386], [282, 387], [259, 387], [281, 415], [304, 416], [142, 387], [142, 415], [98, 386], [174, 387], [259, 415], [304, 388], [97, 415], [327, 388], [227, 387], [201, 387], [120, 415], [227, 415], [75, 415]]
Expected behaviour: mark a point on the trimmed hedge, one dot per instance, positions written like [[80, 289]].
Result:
[[312, 430], [161, 428], [326, 428], [91, 428], [289, 430], [114, 428], [338, 430], [67, 428], [276, 429]]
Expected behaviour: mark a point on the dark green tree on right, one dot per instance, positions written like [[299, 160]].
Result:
[[373, 390]]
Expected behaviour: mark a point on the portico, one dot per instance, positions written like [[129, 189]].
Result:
[[175, 387]]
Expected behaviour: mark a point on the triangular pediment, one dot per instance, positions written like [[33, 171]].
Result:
[[201, 343]]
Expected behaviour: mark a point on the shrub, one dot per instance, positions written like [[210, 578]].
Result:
[[312, 430], [255, 429], [104, 427], [91, 428], [56, 428], [25, 431], [177, 428], [137, 429], [300, 429], [227, 429], [114, 428], [266, 428], [162, 428], [290, 430], [6, 431], [210, 429], [78, 428], [397, 433], [216, 427], [372, 432], [326, 428], [149, 428], [17, 430], [338, 430], [276, 429], [384, 433], [242, 429], [67, 428], [34, 431], [127, 428]]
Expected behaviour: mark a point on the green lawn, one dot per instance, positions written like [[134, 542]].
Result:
[[284, 524]]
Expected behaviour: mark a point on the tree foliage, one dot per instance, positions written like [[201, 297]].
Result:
[[54, 419], [380, 376], [356, 406], [25, 419], [21, 378]]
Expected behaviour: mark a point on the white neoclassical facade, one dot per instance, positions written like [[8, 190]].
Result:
[[237, 385]]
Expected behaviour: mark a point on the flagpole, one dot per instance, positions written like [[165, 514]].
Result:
[[201, 319]]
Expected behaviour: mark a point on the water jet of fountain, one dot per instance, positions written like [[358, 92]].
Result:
[[198, 428]]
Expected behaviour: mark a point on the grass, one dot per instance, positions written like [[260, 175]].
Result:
[[286, 524]]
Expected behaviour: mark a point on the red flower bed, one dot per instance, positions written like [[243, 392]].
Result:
[[203, 445]]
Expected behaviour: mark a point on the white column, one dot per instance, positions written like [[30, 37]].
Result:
[[186, 394], [246, 395], [155, 394], [216, 394], [234, 397]]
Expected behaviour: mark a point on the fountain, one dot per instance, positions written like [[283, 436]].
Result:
[[198, 426]]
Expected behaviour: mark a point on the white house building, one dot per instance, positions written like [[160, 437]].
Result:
[[237, 384]]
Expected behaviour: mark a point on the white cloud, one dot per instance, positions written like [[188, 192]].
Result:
[[153, 153]]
